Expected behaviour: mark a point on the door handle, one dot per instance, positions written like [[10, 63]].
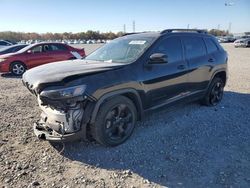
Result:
[[181, 67], [211, 60]]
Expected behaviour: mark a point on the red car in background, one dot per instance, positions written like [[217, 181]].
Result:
[[38, 54]]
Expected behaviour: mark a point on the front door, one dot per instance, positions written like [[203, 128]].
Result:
[[167, 81]]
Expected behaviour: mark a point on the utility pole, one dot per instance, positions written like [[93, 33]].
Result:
[[218, 28], [133, 26], [124, 28], [229, 4], [188, 26], [229, 27]]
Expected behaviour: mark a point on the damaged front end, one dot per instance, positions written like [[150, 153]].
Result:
[[64, 114]]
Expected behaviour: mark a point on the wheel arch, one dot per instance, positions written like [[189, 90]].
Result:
[[220, 74], [132, 94]]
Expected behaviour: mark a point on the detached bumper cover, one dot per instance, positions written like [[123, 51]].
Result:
[[53, 136]]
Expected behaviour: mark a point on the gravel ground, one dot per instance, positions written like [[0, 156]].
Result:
[[182, 146]]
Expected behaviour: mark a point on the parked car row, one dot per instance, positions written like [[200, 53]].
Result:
[[230, 39], [242, 41], [30, 56], [69, 41], [226, 39]]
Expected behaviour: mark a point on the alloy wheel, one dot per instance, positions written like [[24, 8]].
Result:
[[118, 122], [18, 69], [216, 93]]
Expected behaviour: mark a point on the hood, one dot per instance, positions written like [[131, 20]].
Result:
[[58, 71]]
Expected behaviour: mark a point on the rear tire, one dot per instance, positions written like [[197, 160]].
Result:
[[115, 121], [215, 92], [17, 68]]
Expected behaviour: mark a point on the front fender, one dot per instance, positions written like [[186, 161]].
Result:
[[125, 92]]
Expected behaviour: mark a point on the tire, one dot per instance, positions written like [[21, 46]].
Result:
[[17, 68], [215, 92], [115, 121]]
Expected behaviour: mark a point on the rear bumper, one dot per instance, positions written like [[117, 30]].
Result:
[[53, 136]]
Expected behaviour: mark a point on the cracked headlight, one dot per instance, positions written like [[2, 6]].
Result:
[[64, 93], [2, 60]]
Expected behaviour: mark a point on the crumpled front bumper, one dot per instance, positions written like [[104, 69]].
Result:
[[50, 135], [59, 125]]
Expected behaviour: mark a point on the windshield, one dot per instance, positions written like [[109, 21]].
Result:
[[121, 50]]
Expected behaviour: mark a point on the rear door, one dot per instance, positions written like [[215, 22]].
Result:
[[166, 81], [198, 63]]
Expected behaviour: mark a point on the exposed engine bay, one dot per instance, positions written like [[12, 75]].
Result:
[[59, 122]]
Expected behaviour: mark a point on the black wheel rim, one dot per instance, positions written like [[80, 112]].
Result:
[[216, 93], [119, 122]]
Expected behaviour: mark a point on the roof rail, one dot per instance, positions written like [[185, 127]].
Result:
[[183, 30], [125, 34]]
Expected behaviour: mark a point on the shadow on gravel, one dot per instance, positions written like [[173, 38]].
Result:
[[186, 145], [9, 75]]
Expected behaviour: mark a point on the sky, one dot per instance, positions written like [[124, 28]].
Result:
[[110, 15]]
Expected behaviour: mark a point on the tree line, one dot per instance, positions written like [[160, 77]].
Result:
[[93, 35]]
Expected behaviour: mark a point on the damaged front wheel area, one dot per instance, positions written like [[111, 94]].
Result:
[[115, 121], [65, 123], [113, 125]]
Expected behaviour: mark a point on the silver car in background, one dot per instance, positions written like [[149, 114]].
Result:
[[242, 43]]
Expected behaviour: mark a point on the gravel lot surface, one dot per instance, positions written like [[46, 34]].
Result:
[[183, 146]]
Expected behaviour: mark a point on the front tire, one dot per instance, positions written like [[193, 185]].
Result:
[[115, 121], [215, 92], [17, 68]]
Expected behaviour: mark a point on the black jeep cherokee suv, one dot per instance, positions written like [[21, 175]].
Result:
[[103, 95]]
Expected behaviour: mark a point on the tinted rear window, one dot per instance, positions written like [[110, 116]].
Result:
[[211, 47], [194, 47]]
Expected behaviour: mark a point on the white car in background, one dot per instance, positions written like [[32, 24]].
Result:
[[242, 43], [4, 43]]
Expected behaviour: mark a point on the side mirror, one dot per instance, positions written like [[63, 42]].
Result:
[[158, 58], [29, 52]]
